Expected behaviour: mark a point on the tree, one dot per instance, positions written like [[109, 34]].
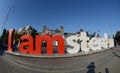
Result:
[[90, 35], [16, 37], [81, 30], [4, 37], [33, 33], [117, 37]]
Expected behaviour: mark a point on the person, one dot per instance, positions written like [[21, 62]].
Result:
[[106, 70], [91, 68], [115, 41]]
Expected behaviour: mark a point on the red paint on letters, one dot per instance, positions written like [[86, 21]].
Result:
[[27, 46], [10, 39]]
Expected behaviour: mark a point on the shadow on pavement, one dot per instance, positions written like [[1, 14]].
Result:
[[116, 54], [91, 68], [118, 50], [2, 50], [106, 70]]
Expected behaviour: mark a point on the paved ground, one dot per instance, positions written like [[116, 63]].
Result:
[[103, 62]]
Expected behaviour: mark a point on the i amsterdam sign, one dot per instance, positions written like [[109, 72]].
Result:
[[86, 44]]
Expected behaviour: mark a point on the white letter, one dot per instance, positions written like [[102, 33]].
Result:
[[111, 43], [84, 40], [95, 44], [105, 41], [71, 41]]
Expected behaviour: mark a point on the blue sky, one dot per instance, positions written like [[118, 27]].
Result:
[[91, 15]]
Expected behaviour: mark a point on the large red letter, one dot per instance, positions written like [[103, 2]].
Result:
[[10, 40], [39, 40], [28, 43], [49, 40], [60, 41]]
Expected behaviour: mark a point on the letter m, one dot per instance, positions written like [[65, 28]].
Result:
[[49, 40]]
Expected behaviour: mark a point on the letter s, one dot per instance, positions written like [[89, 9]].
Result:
[[75, 45]]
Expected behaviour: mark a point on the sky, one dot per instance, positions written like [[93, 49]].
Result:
[[91, 15]]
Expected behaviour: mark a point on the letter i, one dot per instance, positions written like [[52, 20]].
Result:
[[10, 40]]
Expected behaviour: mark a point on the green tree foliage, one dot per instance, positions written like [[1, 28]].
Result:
[[33, 33], [16, 37], [81, 30], [91, 35], [4, 37], [117, 37]]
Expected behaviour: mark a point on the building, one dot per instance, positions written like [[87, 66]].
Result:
[[25, 30], [46, 30]]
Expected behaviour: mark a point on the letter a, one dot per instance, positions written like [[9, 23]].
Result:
[[27, 46]]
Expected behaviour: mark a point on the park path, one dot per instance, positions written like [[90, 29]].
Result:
[[103, 62]]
